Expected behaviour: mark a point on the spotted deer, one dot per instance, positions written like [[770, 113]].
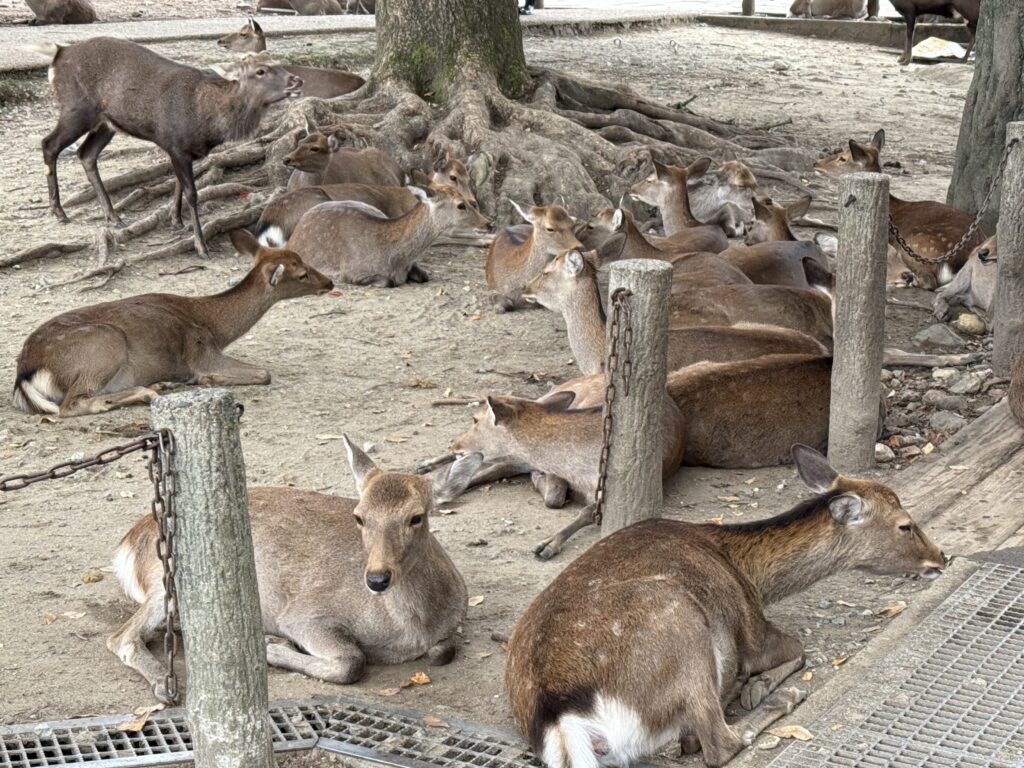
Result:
[[317, 82], [321, 159], [343, 582], [666, 189], [644, 638], [930, 228], [111, 355]]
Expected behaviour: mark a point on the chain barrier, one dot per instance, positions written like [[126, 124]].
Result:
[[620, 328], [160, 467], [971, 230]]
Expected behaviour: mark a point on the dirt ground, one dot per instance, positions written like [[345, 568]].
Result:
[[370, 362]]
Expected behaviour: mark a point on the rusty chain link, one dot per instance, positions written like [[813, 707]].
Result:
[[619, 318], [971, 230], [160, 466]]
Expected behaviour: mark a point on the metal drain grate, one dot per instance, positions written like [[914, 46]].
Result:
[[962, 707], [163, 740]]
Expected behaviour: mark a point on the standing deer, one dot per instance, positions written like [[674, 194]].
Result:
[[110, 355], [320, 159], [666, 189], [968, 10], [642, 640], [342, 582]]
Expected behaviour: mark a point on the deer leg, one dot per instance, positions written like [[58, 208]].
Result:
[[329, 655], [79, 405], [779, 655], [182, 164], [553, 489], [89, 153], [219, 370], [417, 275], [551, 547], [442, 653], [970, 43], [70, 126], [129, 643], [909, 47], [176, 222]]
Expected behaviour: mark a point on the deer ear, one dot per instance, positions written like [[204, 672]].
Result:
[[277, 274], [419, 178], [799, 208], [617, 218], [858, 153], [573, 263], [449, 482], [419, 192], [661, 169], [762, 207], [878, 140], [244, 242], [559, 401], [362, 465], [333, 143], [500, 412], [698, 168], [848, 509], [814, 468]]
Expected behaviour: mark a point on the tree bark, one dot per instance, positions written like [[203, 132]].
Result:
[[996, 97], [434, 45]]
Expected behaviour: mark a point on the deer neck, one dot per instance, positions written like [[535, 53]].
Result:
[[408, 236], [676, 214], [230, 314], [636, 245], [585, 325]]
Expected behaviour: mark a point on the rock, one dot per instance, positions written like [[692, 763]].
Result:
[[944, 374], [768, 742], [910, 452], [884, 454], [936, 398], [780, 66], [947, 422], [937, 338], [970, 324], [968, 384]]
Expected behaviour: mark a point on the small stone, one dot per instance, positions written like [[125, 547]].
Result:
[[937, 338], [944, 374], [780, 66], [768, 742], [947, 422], [968, 384], [839, 621], [970, 324], [910, 452], [886, 375], [477, 543], [936, 398], [884, 454]]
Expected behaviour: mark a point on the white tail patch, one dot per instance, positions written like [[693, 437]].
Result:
[[124, 568], [945, 273], [39, 394], [272, 237]]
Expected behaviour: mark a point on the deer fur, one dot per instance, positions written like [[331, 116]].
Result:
[[643, 639], [1016, 394], [519, 252], [62, 11], [568, 285], [451, 171], [354, 243], [110, 355], [974, 286], [320, 159], [343, 582], [249, 38], [317, 82], [317, 7], [968, 10], [729, 188], [829, 9], [182, 110], [930, 228], [666, 189]]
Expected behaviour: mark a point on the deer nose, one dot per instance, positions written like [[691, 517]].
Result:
[[378, 581]]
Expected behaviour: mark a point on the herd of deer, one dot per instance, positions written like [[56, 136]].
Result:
[[644, 638]]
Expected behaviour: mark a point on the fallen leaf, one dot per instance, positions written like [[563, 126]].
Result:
[[73, 614], [389, 691], [845, 604], [729, 498], [422, 384], [928, 448], [892, 610], [49, 618], [92, 576], [434, 722], [476, 600], [797, 732], [838, 661], [397, 439], [485, 655], [750, 481], [447, 511], [806, 676], [420, 678], [142, 716], [869, 630]]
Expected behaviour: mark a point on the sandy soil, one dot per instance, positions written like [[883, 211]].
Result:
[[370, 362]]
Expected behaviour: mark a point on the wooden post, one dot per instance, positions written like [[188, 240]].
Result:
[[1008, 312], [633, 491], [859, 326], [225, 655], [748, 7], [873, 9]]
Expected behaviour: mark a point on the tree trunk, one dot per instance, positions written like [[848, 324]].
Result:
[[434, 45], [996, 97]]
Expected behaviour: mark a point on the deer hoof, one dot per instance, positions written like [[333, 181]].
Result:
[[545, 550], [754, 691], [160, 692]]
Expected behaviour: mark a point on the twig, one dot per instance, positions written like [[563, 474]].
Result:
[[894, 356], [45, 251], [787, 121], [454, 401], [183, 270]]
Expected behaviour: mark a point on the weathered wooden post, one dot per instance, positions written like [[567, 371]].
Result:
[[748, 7], [1008, 313], [873, 9], [633, 490], [218, 601], [859, 326]]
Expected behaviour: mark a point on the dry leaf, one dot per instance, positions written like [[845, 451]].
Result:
[[838, 661], [434, 722], [92, 576], [806, 676], [420, 678], [422, 384], [729, 498], [73, 614], [750, 481], [927, 448], [49, 618], [476, 600], [797, 732], [845, 604], [485, 655], [869, 630], [892, 610], [143, 713], [389, 691]]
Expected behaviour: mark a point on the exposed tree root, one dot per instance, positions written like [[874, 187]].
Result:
[[45, 251]]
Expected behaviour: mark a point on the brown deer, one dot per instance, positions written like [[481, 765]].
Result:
[[724, 196], [974, 286], [342, 582], [1016, 395], [519, 252], [666, 189], [829, 9], [354, 243], [451, 171], [110, 355], [320, 159], [968, 10], [568, 285], [250, 38], [317, 82], [62, 11], [641, 641], [182, 110], [930, 228]]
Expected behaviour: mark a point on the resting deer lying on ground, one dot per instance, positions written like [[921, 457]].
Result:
[[968, 10], [724, 196], [354, 243], [974, 286], [342, 582], [62, 11], [110, 355], [183, 111], [930, 228], [250, 38], [450, 171], [568, 284], [317, 82], [666, 189], [829, 9], [320, 159], [518, 253], [641, 641]]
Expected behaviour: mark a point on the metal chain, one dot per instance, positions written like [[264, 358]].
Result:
[[160, 465], [620, 317], [971, 230]]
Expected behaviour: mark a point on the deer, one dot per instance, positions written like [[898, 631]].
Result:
[[249, 38], [448, 169], [644, 638], [929, 227], [354, 243], [343, 582], [317, 7], [666, 189], [829, 9], [519, 252], [568, 285], [968, 10], [111, 355], [724, 196], [62, 11], [182, 110], [320, 159], [317, 82], [1016, 393], [974, 286]]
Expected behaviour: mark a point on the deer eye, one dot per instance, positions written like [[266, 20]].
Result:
[[906, 527], [453, 178], [359, 520], [260, 72], [462, 206], [416, 520], [314, 149], [550, 229]]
